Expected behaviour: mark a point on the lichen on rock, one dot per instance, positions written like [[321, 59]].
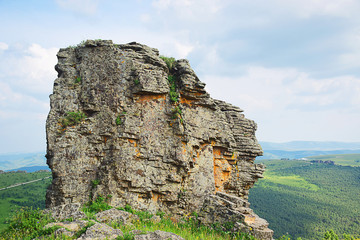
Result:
[[138, 145]]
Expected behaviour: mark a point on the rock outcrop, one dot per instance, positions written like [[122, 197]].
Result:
[[99, 226], [126, 125]]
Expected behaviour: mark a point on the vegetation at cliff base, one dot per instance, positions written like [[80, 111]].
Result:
[[30, 223], [307, 199]]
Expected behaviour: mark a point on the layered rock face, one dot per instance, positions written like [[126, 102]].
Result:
[[143, 135]]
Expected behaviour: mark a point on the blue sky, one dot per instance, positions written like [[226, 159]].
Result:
[[292, 65]]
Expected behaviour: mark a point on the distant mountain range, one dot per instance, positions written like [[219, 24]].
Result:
[[31, 169], [294, 149], [16, 161], [310, 145], [303, 149]]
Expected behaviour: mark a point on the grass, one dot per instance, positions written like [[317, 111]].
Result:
[[352, 160], [78, 80], [291, 181], [119, 118], [100, 204], [29, 223], [176, 113], [30, 195], [174, 95], [71, 119], [188, 227], [170, 61]]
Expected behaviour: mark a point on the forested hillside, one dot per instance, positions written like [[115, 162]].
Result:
[[29, 195], [305, 200]]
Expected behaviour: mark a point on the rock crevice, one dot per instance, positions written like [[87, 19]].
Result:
[[137, 144]]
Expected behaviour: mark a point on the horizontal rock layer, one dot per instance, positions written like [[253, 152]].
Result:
[[134, 143]]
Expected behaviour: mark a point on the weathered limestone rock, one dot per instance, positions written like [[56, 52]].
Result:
[[114, 214], [71, 226], [222, 208], [135, 142], [158, 235], [100, 231], [66, 211], [63, 232]]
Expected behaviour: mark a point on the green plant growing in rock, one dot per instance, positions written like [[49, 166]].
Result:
[[78, 80], [118, 120], [136, 81], [71, 119], [83, 230], [100, 204], [94, 183], [170, 62], [82, 43], [176, 113], [127, 236], [174, 95]]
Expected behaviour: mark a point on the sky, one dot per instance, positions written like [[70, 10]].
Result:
[[293, 66]]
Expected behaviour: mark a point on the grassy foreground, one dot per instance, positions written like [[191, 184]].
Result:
[[29, 224]]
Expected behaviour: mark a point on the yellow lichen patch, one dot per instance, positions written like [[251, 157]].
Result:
[[155, 196], [249, 219], [133, 141], [184, 147], [217, 152], [152, 97], [194, 94], [140, 198], [222, 169], [138, 154], [186, 101]]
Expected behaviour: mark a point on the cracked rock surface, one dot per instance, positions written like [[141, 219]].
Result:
[[134, 142]]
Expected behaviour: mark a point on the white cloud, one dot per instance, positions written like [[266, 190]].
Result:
[[83, 6], [31, 69], [13, 102], [182, 49], [289, 104], [3, 46], [145, 18], [277, 89], [165, 4], [190, 10], [308, 8]]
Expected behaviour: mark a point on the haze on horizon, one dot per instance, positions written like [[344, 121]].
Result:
[[293, 66]]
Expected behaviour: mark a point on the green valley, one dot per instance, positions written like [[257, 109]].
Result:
[[307, 199], [29, 195]]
